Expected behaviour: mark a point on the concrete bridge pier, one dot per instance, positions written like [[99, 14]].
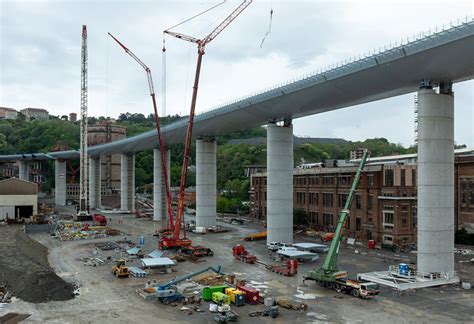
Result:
[[60, 182], [206, 181], [24, 170], [436, 179], [280, 183], [95, 183], [127, 182], [160, 209]]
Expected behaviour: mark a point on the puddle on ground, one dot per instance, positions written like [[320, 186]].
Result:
[[318, 316], [275, 284]]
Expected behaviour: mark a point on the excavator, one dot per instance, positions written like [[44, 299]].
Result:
[[329, 275]]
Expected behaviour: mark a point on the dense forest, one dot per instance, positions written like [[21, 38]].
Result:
[[21, 136]]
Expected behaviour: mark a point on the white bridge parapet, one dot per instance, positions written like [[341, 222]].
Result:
[[409, 279]]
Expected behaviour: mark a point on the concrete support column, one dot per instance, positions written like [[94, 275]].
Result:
[[24, 171], [127, 182], [435, 181], [206, 178], [159, 186], [95, 182], [280, 183], [60, 182]]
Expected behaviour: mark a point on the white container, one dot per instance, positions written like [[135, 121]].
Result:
[[268, 301], [466, 285]]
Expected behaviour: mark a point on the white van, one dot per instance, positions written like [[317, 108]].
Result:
[[274, 246]]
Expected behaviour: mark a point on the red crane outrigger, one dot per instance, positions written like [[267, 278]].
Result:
[[158, 128], [175, 241]]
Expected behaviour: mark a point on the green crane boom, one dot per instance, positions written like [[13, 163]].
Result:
[[329, 271]]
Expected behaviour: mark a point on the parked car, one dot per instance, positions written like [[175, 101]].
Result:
[[274, 246]]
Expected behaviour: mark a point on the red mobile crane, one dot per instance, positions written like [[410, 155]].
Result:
[[158, 127], [175, 240]]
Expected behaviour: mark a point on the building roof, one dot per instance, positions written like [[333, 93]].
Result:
[[7, 109], [35, 109], [14, 186]]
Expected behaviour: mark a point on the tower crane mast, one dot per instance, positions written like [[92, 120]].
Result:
[[83, 205], [175, 240], [158, 127]]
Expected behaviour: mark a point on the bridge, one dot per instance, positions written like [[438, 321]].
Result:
[[436, 60]]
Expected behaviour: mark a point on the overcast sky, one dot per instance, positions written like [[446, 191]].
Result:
[[40, 56]]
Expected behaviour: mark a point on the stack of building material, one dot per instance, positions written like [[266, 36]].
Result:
[[137, 272]]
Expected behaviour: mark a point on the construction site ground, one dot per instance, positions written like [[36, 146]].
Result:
[[102, 298]]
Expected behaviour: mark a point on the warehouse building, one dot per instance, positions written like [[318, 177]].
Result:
[[18, 199]]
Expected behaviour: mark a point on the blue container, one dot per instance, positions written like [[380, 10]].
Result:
[[403, 269], [141, 240]]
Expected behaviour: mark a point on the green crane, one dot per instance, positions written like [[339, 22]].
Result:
[[329, 272]]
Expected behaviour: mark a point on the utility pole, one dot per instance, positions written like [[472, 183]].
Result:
[[83, 205]]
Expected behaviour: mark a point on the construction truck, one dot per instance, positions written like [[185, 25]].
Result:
[[240, 253], [328, 275], [120, 270]]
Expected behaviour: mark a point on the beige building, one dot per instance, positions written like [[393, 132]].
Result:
[[18, 199], [35, 113], [8, 113]]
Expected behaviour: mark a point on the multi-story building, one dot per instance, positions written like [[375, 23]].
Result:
[[110, 164], [35, 113], [385, 206], [8, 113]]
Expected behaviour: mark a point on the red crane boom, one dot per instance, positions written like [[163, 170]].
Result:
[[158, 128], [169, 242]]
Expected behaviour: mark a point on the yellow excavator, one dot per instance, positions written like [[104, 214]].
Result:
[[120, 270]]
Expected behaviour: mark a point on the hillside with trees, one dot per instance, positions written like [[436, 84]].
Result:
[[21, 136]]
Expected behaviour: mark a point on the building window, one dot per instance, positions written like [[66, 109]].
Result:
[[370, 201], [464, 193], [264, 196], [300, 197], [313, 198], [370, 179], [358, 202], [344, 179], [402, 177], [414, 214], [327, 219], [300, 181], [387, 213], [388, 239], [256, 195], [413, 177], [265, 181], [313, 217], [327, 199], [328, 180], [388, 179], [314, 180], [358, 223], [471, 193], [255, 181], [342, 198], [348, 222], [404, 216]]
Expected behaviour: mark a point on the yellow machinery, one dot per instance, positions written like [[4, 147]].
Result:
[[219, 297], [237, 296], [120, 270]]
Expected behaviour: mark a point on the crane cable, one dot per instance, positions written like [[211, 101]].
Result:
[[197, 15], [269, 27]]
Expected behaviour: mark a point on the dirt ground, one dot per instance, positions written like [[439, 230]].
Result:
[[103, 298], [25, 269]]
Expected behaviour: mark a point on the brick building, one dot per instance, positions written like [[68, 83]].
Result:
[[385, 205]]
